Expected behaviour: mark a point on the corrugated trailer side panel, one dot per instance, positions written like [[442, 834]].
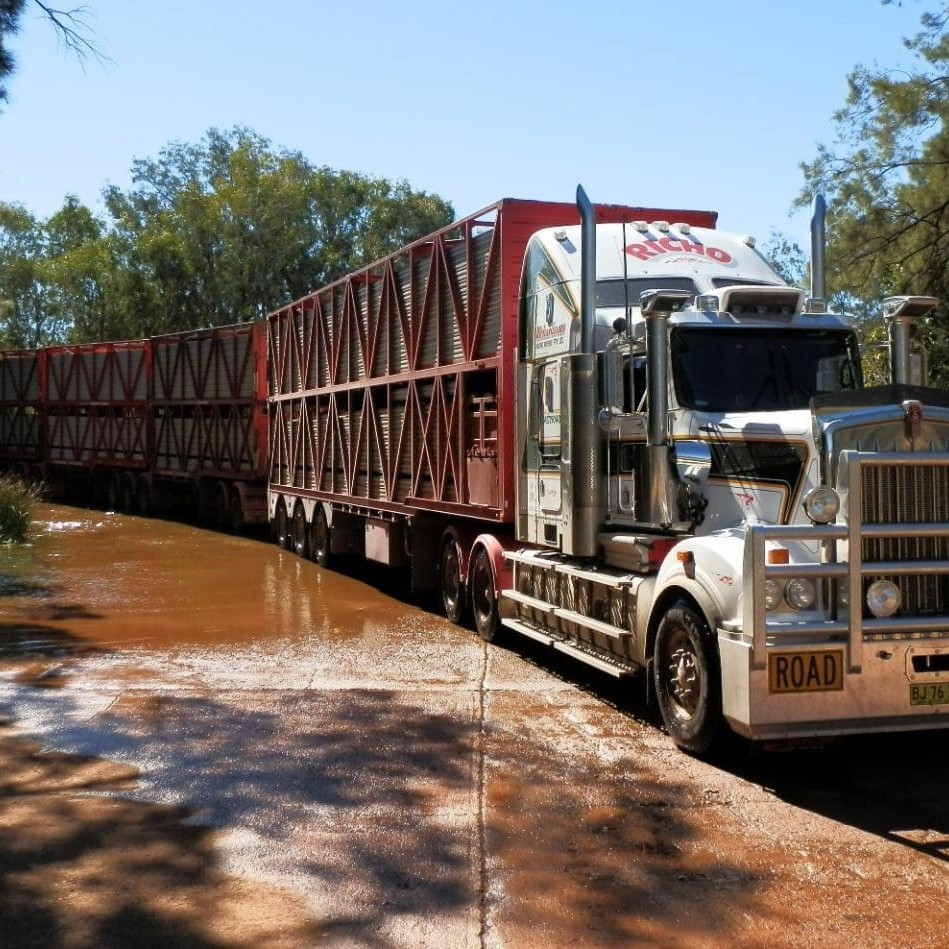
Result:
[[373, 376], [210, 411], [97, 404], [22, 374], [392, 389]]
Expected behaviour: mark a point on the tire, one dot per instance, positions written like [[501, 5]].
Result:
[[219, 508], [143, 498], [281, 525], [484, 600], [322, 538], [299, 533], [235, 514], [687, 679], [454, 600]]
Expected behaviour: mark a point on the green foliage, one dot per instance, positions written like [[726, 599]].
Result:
[[69, 25], [887, 184], [27, 321], [18, 500], [218, 232], [10, 11], [786, 257]]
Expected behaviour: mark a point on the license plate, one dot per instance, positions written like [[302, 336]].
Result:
[[930, 693], [806, 671]]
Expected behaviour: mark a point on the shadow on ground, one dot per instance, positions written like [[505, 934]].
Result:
[[79, 869]]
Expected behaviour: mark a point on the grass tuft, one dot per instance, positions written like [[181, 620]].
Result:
[[18, 500]]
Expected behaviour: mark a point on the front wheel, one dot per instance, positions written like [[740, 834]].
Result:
[[484, 599], [688, 679]]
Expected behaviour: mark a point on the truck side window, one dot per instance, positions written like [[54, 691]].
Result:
[[634, 385]]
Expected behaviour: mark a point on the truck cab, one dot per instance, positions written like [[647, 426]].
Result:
[[698, 464]]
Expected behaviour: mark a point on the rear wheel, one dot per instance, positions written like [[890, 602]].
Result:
[[484, 600], [219, 509], [322, 538], [299, 533], [281, 525], [143, 497], [453, 590], [687, 679], [235, 514]]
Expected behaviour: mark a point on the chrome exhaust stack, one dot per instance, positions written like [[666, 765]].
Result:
[[587, 271], [818, 300], [657, 494], [902, 314]]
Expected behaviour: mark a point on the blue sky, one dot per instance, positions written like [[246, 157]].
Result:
[[709, 105]]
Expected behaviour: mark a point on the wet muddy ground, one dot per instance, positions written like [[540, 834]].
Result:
[[213, 743]]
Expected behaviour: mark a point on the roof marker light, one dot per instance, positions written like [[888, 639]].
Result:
[[748, 241], [661, 226], [641, 226], [560, 235], [707, 303], [683, 228]]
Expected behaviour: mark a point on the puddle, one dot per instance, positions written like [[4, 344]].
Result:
[[117, 582]]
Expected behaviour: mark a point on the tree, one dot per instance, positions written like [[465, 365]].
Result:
[[786, 257], [887, 184], [228, 229], [70, 27], [219, 232], [26, 313], [79, 274], [10, 11]]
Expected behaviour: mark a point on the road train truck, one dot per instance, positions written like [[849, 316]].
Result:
[[618, 432]]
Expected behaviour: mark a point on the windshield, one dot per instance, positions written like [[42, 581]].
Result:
[[724, 369], [612, 293]]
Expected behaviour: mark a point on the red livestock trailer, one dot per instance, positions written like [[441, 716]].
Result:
[[209, 416], [392, 395], [162, 423], [22, 421]]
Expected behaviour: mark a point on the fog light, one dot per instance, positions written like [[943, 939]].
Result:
[[773, 595], [821, 504], [883, 598], [800, 593]]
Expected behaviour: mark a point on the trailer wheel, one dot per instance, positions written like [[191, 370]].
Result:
[[687, 679], [235, 514], [484, 600], [143, 497], [219, 509], [454, 600], [280, 530], [322, 538], [299, 533], [113, 494]]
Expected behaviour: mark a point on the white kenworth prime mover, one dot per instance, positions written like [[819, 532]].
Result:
[[707, 491]]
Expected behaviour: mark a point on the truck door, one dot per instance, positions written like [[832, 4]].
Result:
[[549, 488]]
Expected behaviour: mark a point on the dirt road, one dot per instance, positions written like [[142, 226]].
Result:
[[231, 747]]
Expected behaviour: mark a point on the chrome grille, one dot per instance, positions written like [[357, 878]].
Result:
[[909, 494]]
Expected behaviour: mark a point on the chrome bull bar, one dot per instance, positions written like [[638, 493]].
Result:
[[841, 558]]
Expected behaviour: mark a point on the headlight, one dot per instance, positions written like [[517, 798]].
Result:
[[773, 594], [800, 593], [821, 504], [883, 598]]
